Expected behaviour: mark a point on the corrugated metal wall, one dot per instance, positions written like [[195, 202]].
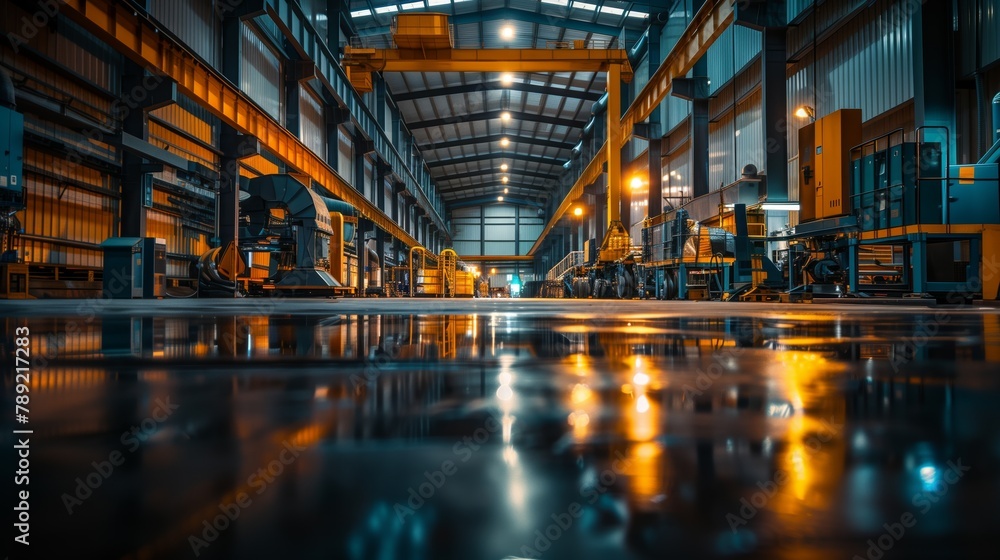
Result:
[[736, 47], [193, 22], [345, 152], [312, 124], [260, 74]]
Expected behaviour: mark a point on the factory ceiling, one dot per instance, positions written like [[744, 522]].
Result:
[[468, 125]]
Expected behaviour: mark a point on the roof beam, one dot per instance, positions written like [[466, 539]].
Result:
[[489, 115], [476, 201], [496, 85], [486, 157], [481, 172], [496, 138], [533, 17], [495, 185]]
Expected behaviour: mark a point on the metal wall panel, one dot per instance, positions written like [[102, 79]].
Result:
[[260, 74], [721, 152], [750, 141], [677, 185], [82, 53], [467, 212], [736, 47], [531, 231], [193, 22], [345, 163], [991, 31], [468, 248], [499, 248], [312, 125], [499, 211], [499, 232]]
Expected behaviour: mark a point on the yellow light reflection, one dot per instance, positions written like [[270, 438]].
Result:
[[581, 393], [814, 454]]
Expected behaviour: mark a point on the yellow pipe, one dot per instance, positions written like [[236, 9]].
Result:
[[337, 248]]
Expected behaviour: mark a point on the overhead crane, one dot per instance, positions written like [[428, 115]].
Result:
[[424, 43]]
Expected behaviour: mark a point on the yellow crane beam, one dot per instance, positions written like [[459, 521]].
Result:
[[361, 59], [705, 28], [138, 39]]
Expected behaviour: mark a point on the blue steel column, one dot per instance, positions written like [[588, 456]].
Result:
[[654, 200], [934, 70]]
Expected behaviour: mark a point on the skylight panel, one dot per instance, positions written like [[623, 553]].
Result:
[[386, 9], [360, 13]]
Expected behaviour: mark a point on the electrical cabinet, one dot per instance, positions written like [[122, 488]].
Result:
[[134, 267]]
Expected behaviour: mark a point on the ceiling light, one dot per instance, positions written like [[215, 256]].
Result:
[[556, 2], [612, 10], [506, 79], [438, 2], [507, 32], [499, 199], [805, 112], [584, 6], [636, 14], [504, 179], [504, 142], [506, 190], [386, 9], [413, 6], [503, 167], [505, 116], [636, 183], [360, 13], [578, 211]]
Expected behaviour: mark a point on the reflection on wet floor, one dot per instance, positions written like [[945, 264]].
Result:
[[496, 435]]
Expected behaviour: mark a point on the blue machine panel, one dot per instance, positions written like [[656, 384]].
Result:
[[11, 157], [974, 197]]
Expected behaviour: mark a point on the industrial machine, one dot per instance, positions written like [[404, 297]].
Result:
[[438, 275], [303, 234], [134, 267], [884, 218]]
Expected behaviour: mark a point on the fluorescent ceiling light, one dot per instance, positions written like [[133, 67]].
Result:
[[360, 13], [612, 10], [438, 2], [584, 6], [386, 9], [556, 2], [636, 14], [413, 6]]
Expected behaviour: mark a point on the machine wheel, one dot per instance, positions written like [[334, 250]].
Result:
[[581, 288]]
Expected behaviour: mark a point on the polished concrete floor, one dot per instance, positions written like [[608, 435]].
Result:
[[498, 429]]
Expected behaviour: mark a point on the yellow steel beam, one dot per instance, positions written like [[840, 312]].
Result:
[[705, 28], [137, 38], [487, 60]]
